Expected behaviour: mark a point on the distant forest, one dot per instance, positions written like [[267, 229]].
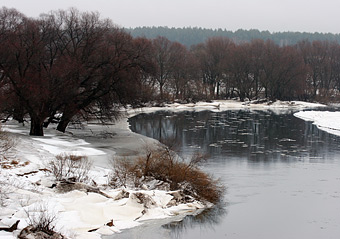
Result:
[[189, 36], [69, 66]]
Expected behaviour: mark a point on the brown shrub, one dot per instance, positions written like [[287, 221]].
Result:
[[165, 165], [122, 173]]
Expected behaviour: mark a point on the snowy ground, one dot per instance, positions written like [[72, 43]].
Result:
[[220, 105], [25, 185]]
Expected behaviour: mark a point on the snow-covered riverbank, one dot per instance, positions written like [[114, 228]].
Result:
[[25, 185], [220, 105]]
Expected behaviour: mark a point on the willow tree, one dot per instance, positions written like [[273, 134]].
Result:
[[66, 62]]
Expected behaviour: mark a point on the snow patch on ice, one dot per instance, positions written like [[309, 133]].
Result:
[[222, 105], [324, 120]]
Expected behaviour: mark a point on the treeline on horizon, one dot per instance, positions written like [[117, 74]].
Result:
[[68, 66], [189, 36]]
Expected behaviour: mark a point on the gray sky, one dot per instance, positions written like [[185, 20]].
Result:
[[272, 15]]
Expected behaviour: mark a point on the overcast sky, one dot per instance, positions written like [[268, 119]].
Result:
[[272, 15]]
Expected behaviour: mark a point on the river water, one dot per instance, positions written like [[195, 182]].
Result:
[[282, 175]]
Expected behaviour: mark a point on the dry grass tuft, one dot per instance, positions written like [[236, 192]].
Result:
[[70, 167], [14, 163], [166, 166], [6, 141], [41, 224]]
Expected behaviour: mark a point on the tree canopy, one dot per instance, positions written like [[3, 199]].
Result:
[[68, 65], [66, 62]]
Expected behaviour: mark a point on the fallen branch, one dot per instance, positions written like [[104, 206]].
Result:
[[25, 174], [67, 186], [12, 228], [33, 172]]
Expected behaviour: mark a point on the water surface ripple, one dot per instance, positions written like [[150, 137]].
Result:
[[282, 174]]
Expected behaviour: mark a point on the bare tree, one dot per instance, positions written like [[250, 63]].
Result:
[[68, 62], [241, 71], [214, 56], [162, 59]]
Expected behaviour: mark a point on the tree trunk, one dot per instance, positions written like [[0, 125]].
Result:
[[212, 91], [37, 127], [18, 115], [256, 86], [218, 90], [50, 120], [63, 124], [161, 90]]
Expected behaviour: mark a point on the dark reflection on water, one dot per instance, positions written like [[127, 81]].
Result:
[[255, 135], [282, 174], [174, 227], [206, 219]]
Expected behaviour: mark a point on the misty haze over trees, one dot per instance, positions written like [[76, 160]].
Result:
[[189, 36], [69, 65]]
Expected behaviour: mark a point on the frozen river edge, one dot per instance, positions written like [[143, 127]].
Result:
[[324, 120], [78, 211]]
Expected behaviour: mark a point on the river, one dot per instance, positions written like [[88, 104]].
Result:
[[282, 175]]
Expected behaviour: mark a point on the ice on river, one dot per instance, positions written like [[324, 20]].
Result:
[[324, 120]]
